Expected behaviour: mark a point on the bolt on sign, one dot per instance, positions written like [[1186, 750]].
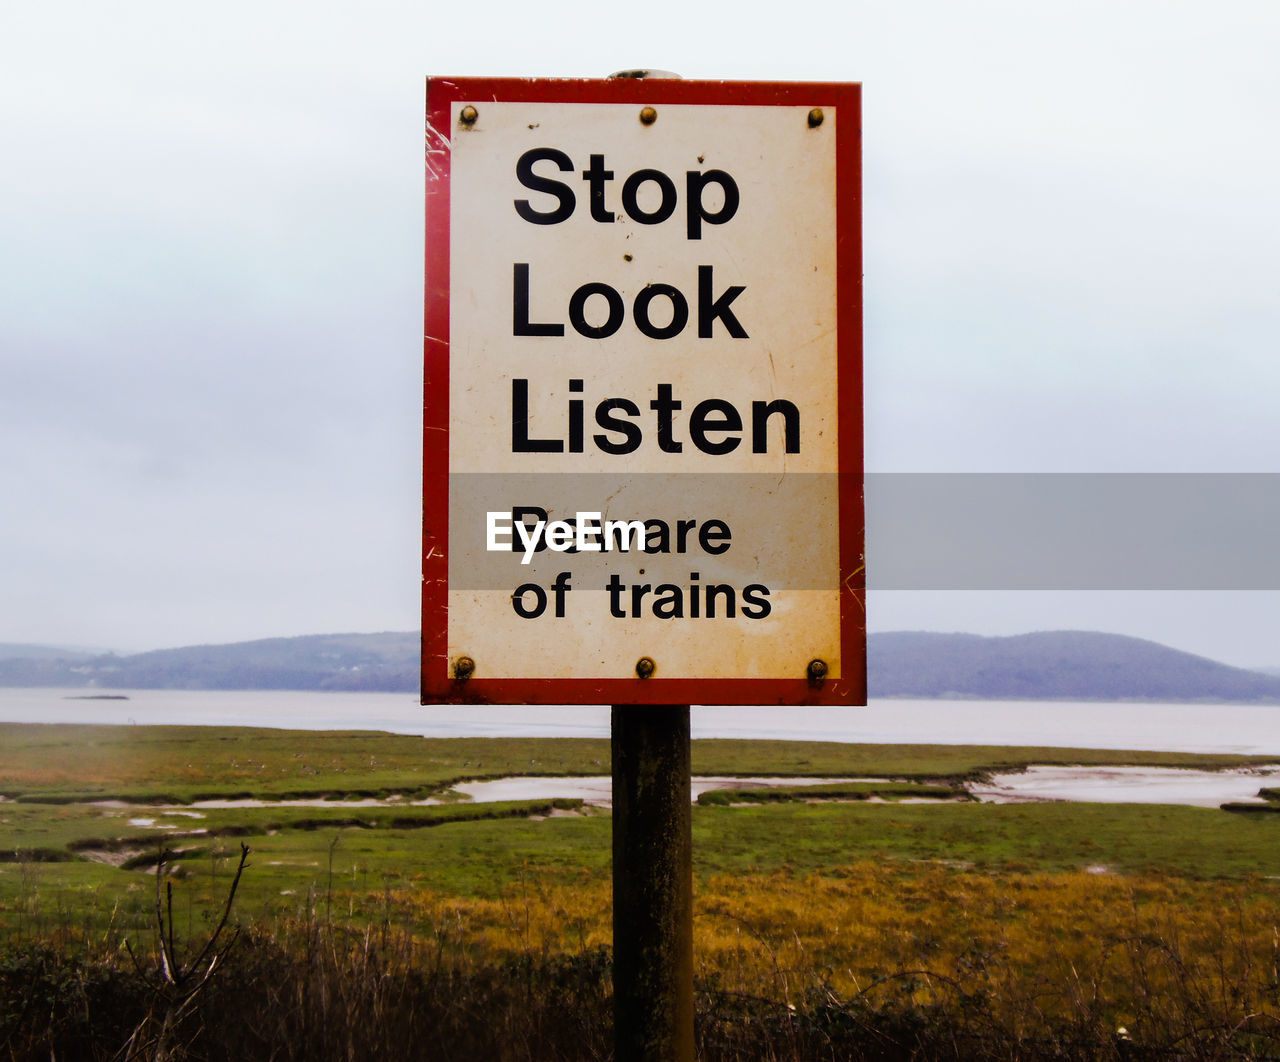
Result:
[[643, 409]]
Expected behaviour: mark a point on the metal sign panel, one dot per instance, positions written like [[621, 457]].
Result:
[[643, 416]]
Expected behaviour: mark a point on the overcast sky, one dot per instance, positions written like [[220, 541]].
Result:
[[211, 254]]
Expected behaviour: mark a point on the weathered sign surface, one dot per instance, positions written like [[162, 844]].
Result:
[[643, 416]]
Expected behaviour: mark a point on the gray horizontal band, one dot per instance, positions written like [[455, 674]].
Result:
[[924, 531], [1068, 531]]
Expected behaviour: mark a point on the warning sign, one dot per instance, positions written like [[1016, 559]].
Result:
[[642, 432]]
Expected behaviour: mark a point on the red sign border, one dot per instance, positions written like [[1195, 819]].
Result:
[[438, 685]]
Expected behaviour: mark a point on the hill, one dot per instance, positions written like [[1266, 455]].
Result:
[[1049, 665], [1053, 665], [22, 651], [383, 662]]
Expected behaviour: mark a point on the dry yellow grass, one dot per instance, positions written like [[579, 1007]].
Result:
[[1047, 948]]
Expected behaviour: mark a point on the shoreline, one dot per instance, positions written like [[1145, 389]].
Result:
[[1235, 729], [1038, 783]]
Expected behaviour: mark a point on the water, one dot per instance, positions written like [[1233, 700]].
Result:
[[1130, 785], [1210, 728], [1099, 785], [599, 790]]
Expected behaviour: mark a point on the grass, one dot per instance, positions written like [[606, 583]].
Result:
[[479, 850], [833, 927], [1196, 843], [865, 960], [833, 791], [180, 764]]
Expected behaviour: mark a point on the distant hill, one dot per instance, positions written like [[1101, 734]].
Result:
[[1053, 665], [386, 661], [21, 651]]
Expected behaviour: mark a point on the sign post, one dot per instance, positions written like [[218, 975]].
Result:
[[642, 437], [652, 884]]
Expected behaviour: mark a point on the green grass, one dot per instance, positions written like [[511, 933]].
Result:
[[179, 764], [1190, 842], [486, 850], [832, 791], [483, 850]]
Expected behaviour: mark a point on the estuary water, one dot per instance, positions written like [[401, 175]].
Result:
[[1212, 728]]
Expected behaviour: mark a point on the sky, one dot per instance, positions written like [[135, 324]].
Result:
[[211, 260]]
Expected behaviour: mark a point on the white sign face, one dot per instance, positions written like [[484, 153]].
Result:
[[643, 426]]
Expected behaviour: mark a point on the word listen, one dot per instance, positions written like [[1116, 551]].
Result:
[[715, 424]]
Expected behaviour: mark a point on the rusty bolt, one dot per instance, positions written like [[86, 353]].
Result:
[[468, 115], [463, 668], [646, 72], [815, 118], [648, 115], [645, 667], [816, 671]]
